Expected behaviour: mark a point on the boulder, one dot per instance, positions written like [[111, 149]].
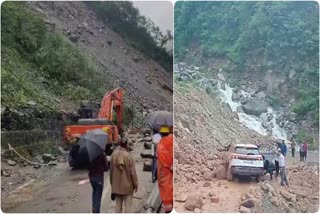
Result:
[[261, 95], [226, 106], [208, 175], [180, 197], [147, 145], [286, 195], [214, 199], [11, 162], [147, 166], [146, 154], [255, 107], [197, 210], [235, 97], [250, 202], [193, 201], [47, 157], [52, 163], [221, 172], [6, 172], [244, 209], [221, 77], [274, 201], [206, 184], [264, 187]]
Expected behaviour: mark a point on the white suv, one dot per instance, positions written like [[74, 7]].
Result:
[[243, 159]]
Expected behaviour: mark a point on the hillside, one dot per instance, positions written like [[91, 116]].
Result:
[[62, 53], [259, 47]]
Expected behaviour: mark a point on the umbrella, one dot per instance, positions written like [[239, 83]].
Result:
[[95, 141], [160, 118]]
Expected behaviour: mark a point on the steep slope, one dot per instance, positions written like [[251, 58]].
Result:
[[141, 77]]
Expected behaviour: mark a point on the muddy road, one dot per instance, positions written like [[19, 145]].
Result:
[[60, 191]]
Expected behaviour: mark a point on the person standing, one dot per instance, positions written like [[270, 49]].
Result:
[[96, 176], [276, 161], [301, 148], [305, 148], [282, 166], [155, 140], [165, 168], [123, 177], [293, 147], [283, 148]]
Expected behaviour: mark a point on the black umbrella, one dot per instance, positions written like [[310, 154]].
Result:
[[160, 118], [95, 141]]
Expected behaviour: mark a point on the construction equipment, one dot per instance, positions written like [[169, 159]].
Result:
[[112, 102]]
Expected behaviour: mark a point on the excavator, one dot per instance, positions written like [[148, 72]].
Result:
[[111, 102]]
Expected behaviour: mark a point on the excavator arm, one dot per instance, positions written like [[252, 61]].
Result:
[[113, 100]]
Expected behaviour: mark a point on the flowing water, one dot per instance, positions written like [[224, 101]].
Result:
[[251, 121]]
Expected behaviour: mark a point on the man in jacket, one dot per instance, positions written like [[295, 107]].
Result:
[[123, 177], [165, 170]]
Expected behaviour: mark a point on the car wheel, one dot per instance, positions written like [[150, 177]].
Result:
[[229, 174]]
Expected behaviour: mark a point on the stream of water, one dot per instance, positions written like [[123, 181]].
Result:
[[251, 121]]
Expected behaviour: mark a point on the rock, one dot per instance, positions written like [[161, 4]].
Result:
[[193, 201], [261, 95], [226, 106], [284, 206], [286, 195], [31, 103], [147, 145], [221, 172], [47, 157], [37, 166], [11, 162], [221, 77], [244, 210], [292, 73], [180, 197], [249, 202], [264, 187], [206, 184], [52, 163], [214, 199], [197, 210], [255, 107], [149, 139], [235, 97], [146, 154], [208, 175], [6, 172], [274, 201], [74, 38], [147, 166], [136, 59], [249, 195]]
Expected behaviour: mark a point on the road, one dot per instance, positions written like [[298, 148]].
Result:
[[61, 191]]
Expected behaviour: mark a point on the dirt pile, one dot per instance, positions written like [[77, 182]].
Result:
[[301, 196], [141, 77], [203, 128]]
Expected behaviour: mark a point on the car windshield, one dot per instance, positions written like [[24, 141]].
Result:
[[246, 151]]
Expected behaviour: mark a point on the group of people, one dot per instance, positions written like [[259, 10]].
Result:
[[123, 176], [279, 165]]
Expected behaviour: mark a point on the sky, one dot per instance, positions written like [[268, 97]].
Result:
[[160, 12]]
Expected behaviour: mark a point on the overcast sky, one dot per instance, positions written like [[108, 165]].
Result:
[[160, 12]]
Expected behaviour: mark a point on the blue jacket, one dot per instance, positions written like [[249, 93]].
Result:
[[283, 148]]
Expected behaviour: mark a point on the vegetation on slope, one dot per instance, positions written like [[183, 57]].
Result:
[[140, 32], [281, 36], [40, 66]]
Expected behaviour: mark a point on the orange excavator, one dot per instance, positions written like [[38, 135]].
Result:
[[111, 102]]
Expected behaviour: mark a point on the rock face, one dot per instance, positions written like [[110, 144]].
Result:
[[193, 202], [255, 107]]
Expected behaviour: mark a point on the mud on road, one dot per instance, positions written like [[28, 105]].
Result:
[[59, 190]]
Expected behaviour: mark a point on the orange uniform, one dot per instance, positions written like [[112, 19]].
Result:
[[165, 173]]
